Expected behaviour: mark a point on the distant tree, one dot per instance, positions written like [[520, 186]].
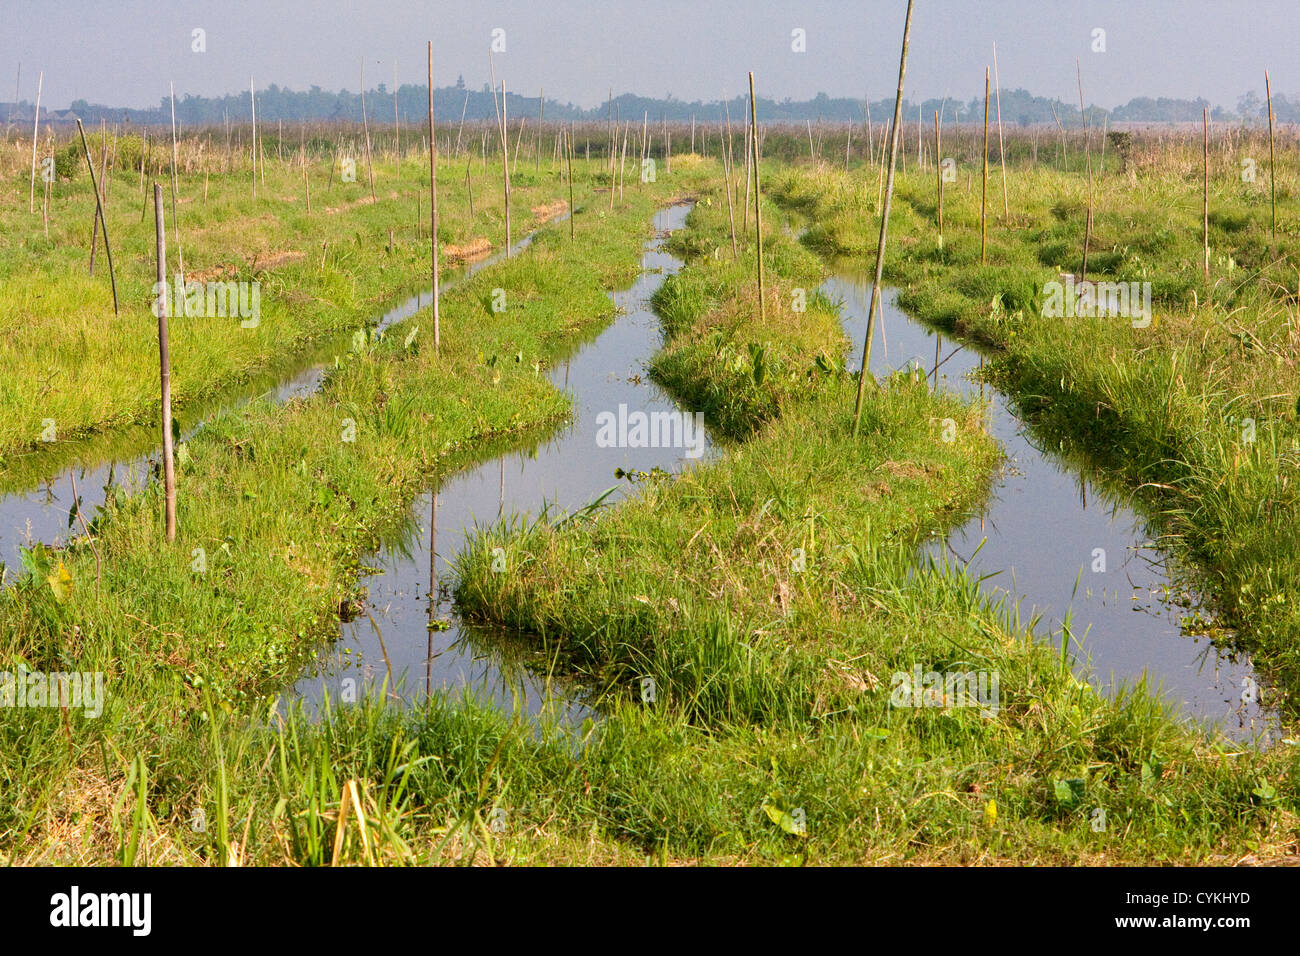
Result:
[[1250, 106]]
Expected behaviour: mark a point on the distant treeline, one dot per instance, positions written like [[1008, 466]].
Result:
[[275, 103]]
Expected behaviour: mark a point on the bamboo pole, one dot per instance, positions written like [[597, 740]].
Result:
[[519, 139], [365, 123], [726, 174], [984, 194], [1002, 156], [99, 206], [433, 206], [758, 214], [94, 216], [505, 163], [1205, 192], [1087, 157], [884, 225], [180, 255], [622, 162], [569, 155], [871, 144], [1272, 186], [749, 179], [938, 176], [252, 98], [164, 362], [36, 128], [645, 143], [461, 128]]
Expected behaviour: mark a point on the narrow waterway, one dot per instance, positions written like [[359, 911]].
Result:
[[392, 641], [124, 459], [1054, 544]]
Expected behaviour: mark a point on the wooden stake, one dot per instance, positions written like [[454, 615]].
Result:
[[884, 225], [164, 361]]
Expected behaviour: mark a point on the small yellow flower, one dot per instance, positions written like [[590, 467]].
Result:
[[991, 812]]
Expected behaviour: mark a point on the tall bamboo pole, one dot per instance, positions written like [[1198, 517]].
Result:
[[938, 176], [1087, 157], [884, 224], [252, 98], [180, 255], [726, 178], [164, 361], [1205, 194], [433, 206], [505, 163], [1002, 156], [36, 128], [984, 194], [365, 123], [758, 215], [569, 155], [1272, 186]]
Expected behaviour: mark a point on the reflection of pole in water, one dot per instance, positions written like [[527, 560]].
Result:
[[938, 344], [884, 342], [501, 508], [1083, 491], [566, 374], [433, 593]]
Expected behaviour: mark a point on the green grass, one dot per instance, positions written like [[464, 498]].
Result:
[[284, 507], [772, 595], [771, 738], [71, 361], [1163, 410]]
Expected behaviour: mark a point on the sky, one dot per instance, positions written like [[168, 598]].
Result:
[[125, 52]]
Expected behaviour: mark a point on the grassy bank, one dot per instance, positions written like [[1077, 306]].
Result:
[[278, 504], [773, 596], [335, 269], [1195, 412]]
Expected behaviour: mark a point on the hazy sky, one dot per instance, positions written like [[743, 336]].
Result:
[[124, 52]]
